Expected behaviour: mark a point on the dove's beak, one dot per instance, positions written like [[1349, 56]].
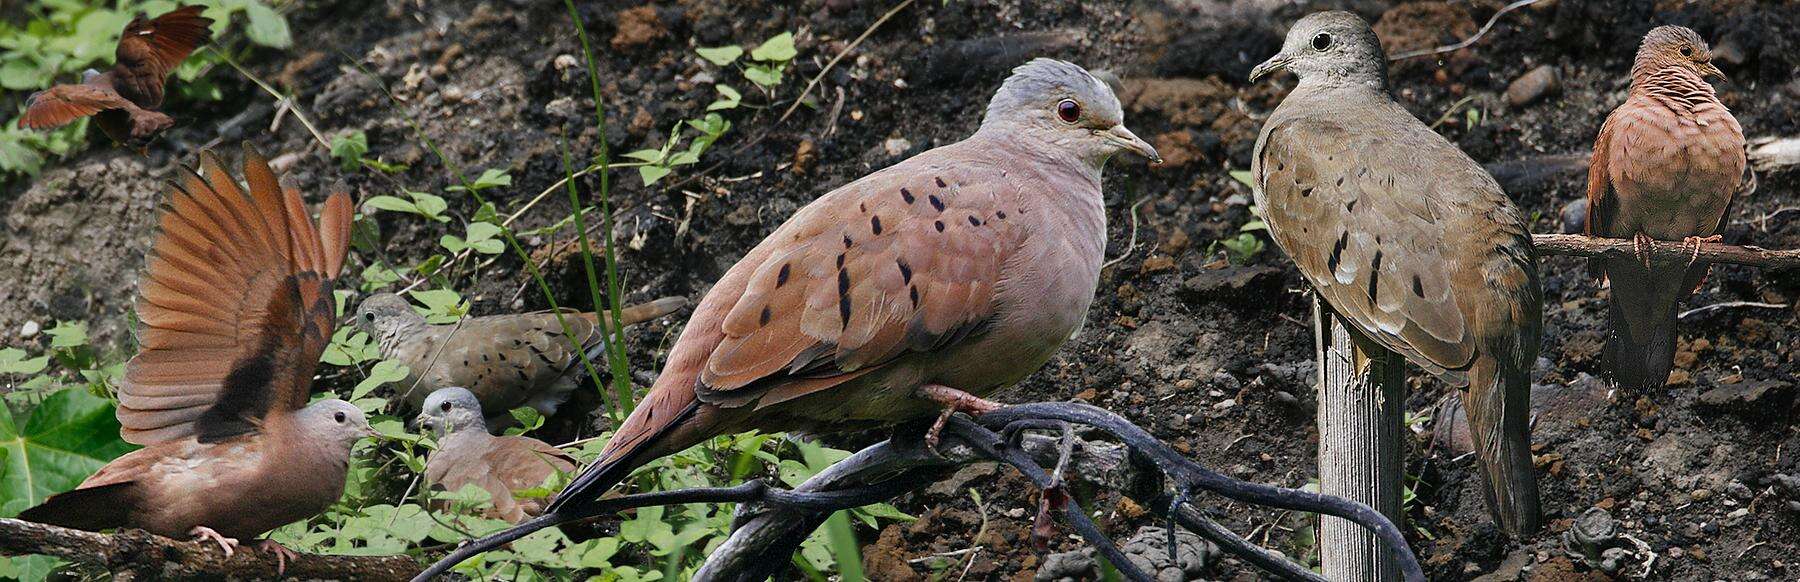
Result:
[[370, 432], [1712, 70], [1269, 67], [1130, 141]]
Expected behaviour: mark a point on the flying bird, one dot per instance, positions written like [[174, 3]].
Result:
[[1411, 242], [501, 465], [506, 361], [1666, 166], [124, 99], [236, 308], [903, 295]]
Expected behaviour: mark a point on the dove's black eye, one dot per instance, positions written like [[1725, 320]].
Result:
[[1687, 50], [369, 316], [1322, 41], [1068, 110], [339, 417], [444, 407]]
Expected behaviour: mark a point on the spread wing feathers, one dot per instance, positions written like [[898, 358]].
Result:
[[236, 306], [59, 105], [1364, 218], [904, 260], [155, 47]]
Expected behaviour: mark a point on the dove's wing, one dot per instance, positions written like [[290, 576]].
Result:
[[236, 306]]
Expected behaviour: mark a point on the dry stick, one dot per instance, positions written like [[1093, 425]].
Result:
[[279, 98], [1576, 245], [137, 552], [1466, 42]]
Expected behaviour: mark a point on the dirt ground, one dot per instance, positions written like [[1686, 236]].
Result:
[[1210, 356]]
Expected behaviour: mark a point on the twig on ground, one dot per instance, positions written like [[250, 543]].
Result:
[[1729, 305], [139, 553], [1468, 41], [1576, 245]]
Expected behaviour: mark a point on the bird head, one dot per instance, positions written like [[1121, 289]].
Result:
[[1064, 106], [449, 410], [1329, 47], [336, 420], [1675, 46], [384, 314]]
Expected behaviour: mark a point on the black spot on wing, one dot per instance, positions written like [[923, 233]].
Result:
[[781, 278], [1337, 251], [1375, 278], [1418, 287], [906, 195]]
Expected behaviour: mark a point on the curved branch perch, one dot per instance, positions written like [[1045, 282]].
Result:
[[1576, 245], [137, 553]]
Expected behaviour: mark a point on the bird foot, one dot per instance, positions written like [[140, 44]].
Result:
[[953, 401], [202, 533], [1696, 241], [282, 554], [1640, 243]]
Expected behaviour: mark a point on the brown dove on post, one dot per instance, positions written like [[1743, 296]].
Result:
[[903, 295], [1666, 166], [236, 308], [468, 455], [124, 99], [507, 361], [1407, 239]]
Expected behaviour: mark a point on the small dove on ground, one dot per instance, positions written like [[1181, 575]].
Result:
[[1666, 166], [468, 455], [1409, 240], [124, 99], [507, 361], [901, 296], [236, 308]]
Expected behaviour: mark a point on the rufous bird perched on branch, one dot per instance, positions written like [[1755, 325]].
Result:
[[1411, 242], [904, 295], [124, 99], [1666, 166], [237, 307]]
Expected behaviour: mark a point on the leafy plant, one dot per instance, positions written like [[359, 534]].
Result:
[[51, 449], [429, 206]]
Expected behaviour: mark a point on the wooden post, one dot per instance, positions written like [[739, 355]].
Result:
[[1361, 414]]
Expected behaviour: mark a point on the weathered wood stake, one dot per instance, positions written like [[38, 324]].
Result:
[[1361, 412]]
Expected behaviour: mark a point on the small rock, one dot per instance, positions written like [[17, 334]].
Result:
[[1755, 396], [1225, 404], [30, 329], [564, 62], [1574, 216], [1067, 567], [896, 146], [1246, 281], [1148, 549], [1701, 494], [1539, 82]]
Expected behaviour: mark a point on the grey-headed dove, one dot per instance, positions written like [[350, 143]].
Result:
[[124, 99], [507, 361], [468, 455], [1666, 166], [1407, 239], [237, 307], [901, 295]]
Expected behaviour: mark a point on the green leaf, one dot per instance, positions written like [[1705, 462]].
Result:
[[721, 55], [349, 149], [430, 206], [651, 174], [529, 420], [441, 305], [383, 372], [483, 238], [378, 275], [1244, 177], [763, 75], [13, 361], [267, 27], [349, 347], [491, 178], [390, 203], [51, 449], [780, 48], [68, 334], [729, 98], [650, 156]]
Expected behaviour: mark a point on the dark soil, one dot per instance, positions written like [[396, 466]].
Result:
[[1211, 357]]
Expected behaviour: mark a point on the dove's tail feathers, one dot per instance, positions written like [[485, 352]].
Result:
[[1640, 349], [91, 508], [633, 315], [661, 424], [1498, 403]]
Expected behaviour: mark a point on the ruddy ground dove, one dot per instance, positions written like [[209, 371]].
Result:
[[124, 99], [468, 455], [900, 295], [1666, 166], [236, 307], [507, 361], [1406, 238]]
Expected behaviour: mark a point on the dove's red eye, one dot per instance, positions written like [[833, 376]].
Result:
[[1068, 110]]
